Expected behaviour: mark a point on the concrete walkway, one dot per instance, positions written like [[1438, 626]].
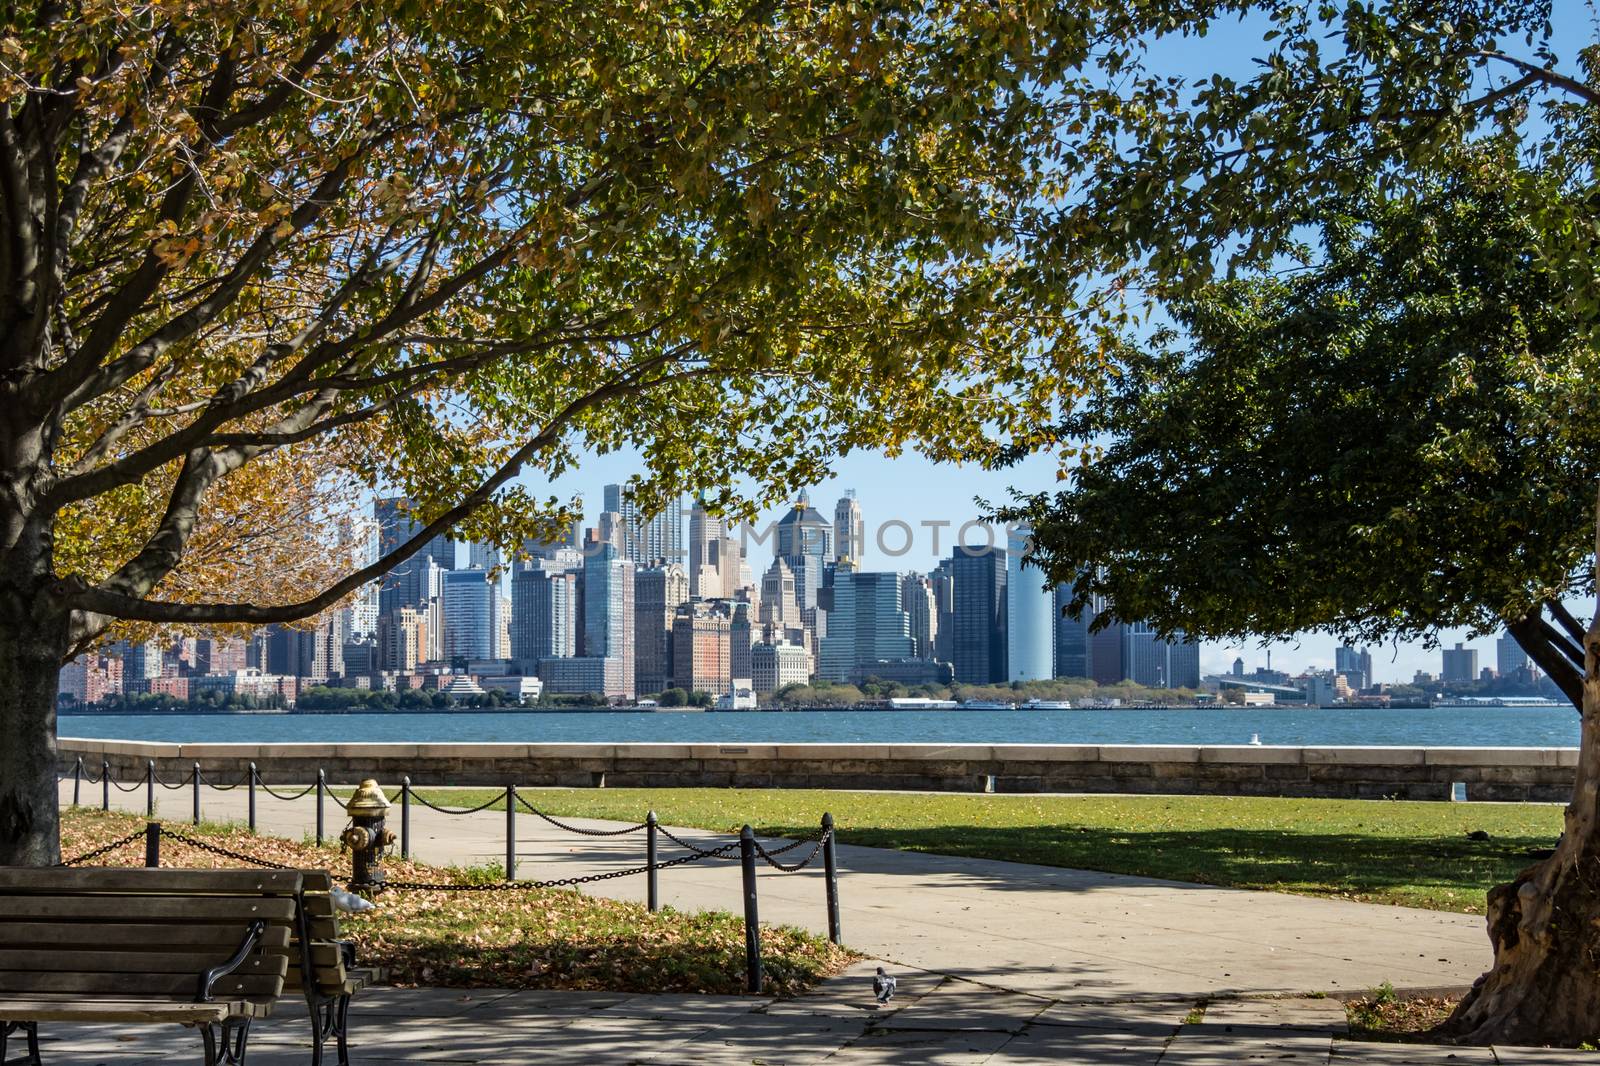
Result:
[[999, 963]]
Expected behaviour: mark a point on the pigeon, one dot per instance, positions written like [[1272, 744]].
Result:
[[883, 987], [350, 903]]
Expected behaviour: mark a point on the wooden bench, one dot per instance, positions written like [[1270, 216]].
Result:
[[209, 949]]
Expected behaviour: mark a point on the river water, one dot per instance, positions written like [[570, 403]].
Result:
[[1534, 727]]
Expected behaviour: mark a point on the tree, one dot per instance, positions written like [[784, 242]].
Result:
[[1220, 172], [674, 697], [433, 245], [1396, 439]]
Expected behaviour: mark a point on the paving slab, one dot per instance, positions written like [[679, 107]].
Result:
[[1163, 1017], [1367, 1053], [1541, 1056], [915, 1047], [1321, 1015], [1203, 1045], [1041, 1045], [961, 1005]]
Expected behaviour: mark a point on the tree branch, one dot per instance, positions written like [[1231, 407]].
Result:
[[1554, 79], [1543, 645], [94, 607]]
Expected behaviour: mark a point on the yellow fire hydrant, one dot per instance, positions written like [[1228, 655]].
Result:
[[366, 836]]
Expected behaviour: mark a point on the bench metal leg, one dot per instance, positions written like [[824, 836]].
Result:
[[31, 1029], [225, 1041], [330, 1018]]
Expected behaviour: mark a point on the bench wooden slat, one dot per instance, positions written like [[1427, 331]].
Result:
[[319, 906], [74, 1008], [131, 909], [156, 984], [323, 953], [59, 881], [126, 937], [317, 880], [184, 962]]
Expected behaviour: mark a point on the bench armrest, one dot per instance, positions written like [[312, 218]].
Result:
[[212, 976]]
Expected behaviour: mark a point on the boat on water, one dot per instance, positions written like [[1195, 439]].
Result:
[[1047, 705], [987, 705]]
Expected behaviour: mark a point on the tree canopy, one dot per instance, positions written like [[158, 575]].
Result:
[[1395, 437]]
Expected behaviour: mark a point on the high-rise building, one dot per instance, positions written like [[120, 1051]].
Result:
[[1030, 613], [544, 614], [705, 535], [1072, 636], [1460, 664], [803, 532], [922, 614], [1355, 664], [1509, 656], [648, 540], [942, 582], [315, 654], [482, 556], [780, 606], [702, 646], [980, 636], [741, 638], [849, 532], [141, 660], [396, 526], [608, 621], [866, 625], [471, 606], [1183, 664], [220, 655], [657, 592]]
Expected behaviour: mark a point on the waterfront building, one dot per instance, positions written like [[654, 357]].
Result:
[[980, 632], [1355, 664], [1509, 656], [1460, 664], [543, 613], [608, 621], [1030, 613], [403, 585], [140, 659], [605, 676], [1071, 636], [922, 614], [657, 591], [849, 532], [361, 658], [778, 665], [702, 646], [648, 540], [865, 625], [402, 639], [471, 608], [804, 541], [525, 689], [91, 677], [270, 689], [741, 638]]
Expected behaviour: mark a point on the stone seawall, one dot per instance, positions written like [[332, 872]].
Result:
[[1512, 774]]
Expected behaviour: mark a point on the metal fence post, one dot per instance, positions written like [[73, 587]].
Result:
[[150, 788], [830, 867], [654, 892], [77, 780], [196, 793], [511, 832], [322, 786], [152, 844], [251, 775], [105, 784], [405, 817], [752, 920]]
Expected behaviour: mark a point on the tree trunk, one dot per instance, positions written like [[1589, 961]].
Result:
[[30, 666], [1544, 987]]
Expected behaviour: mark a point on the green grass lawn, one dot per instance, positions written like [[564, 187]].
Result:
[[1382, 851]]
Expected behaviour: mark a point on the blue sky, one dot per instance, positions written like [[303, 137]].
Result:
[[915, 491]]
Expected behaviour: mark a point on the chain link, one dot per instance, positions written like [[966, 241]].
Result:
[[702, 853], [104, 848], [563, 882], [215, 849], [790, 868], [136, 786], [280, 796], [453, 810], [579, 829], [224, 788]]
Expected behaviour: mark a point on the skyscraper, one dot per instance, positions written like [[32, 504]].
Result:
[[1355, 664], [543, 615], [780, 605], [922, 614], [400, 586], [657, 590], [482, 556], [1460, 664], [647, 540], [471, 625], [608, 622], [849, 533], [702, 647], [1072, 637], [1030, 613], [980, 637], [866, 625], [1509, 656]]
